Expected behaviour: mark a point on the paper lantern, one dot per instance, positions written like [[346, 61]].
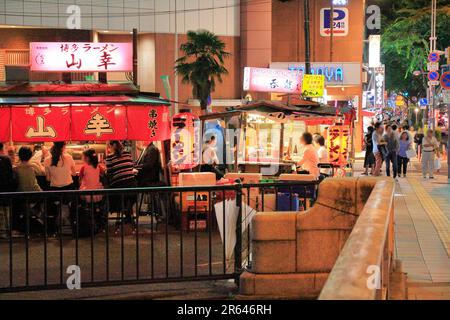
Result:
[[185, 141], [338, 144]]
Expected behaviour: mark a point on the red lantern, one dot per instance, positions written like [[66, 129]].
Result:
[[185, 141]]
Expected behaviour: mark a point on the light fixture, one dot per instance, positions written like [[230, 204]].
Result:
[[340, 2]]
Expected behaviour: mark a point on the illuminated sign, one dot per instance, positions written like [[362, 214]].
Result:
[[340, 2], [336, 73], [340, 25], [330, 73], [379, 87], [272, 80], [313, 86], [81, 57]]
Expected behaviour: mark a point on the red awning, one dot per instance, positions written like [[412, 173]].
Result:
[[36, 123]]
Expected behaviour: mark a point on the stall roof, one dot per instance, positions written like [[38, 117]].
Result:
[[120, 99], [54, 89], [308, 109]]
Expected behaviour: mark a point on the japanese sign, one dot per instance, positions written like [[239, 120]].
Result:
[[148, 123], [340, 22], [379, 87], [272, 80], [37, 124], [80, 57], [338, 144], [98, 123], [5, 115], [313, 86]]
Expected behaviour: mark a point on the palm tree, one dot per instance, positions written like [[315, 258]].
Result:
[[202, 64]]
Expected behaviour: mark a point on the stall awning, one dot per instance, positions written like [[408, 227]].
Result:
[[73, 118], [89, 100]]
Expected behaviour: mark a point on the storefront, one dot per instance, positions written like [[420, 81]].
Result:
[[33, 116], [264, 137]]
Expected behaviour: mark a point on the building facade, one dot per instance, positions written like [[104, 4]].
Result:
[[257, 33]]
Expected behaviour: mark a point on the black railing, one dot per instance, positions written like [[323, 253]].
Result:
[[128, 236]]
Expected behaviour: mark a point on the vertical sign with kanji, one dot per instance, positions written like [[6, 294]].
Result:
[[5, 115], [37, 124], [338, 144], [98, 123], [379, 87], [148, 123]]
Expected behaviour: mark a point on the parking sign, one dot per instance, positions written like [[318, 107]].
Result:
[[340, 22]]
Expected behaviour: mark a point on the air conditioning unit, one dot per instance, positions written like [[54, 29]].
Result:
[[16, 74]]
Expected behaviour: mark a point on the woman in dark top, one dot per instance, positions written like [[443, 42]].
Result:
[[120, 173], [369, 159], [418, 142], [150, 168]]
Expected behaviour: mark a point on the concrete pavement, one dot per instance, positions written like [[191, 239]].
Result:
[[422, 232]]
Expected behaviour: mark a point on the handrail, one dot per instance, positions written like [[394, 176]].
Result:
[[162, 189], [362, 269]]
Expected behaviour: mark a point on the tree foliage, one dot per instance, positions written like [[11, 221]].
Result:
[[405, 42], [202, 64]]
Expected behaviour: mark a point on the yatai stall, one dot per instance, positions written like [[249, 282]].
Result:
[[260, 134], [84, 121]]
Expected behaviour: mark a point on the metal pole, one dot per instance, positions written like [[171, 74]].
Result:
[[176, 94], [448, 142], [307, 38], [332, 31], [135, 57]]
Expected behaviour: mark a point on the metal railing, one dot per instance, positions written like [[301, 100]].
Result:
[[129, 236]]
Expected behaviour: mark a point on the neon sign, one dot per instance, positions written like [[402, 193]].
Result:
[[81, 57], [332, 74]]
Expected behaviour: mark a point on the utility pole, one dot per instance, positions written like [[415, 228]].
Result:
[[307, 38], [429, 114], [176, 85]]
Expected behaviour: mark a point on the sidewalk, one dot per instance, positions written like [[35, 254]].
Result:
[[422, 233]]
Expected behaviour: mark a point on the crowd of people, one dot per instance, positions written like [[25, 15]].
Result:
[[395, 146], [54, 170]]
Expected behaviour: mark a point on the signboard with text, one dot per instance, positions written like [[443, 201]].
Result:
[[98, 123], [338, 25], [313, 86], [81, 57], [84, 123], [148, 123], [379, 87], [37, 124], [272, 80]]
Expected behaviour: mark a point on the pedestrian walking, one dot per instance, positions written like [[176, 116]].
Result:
[[377, 137], [392, 145], [402, 158], [430, 147], [369, 158]]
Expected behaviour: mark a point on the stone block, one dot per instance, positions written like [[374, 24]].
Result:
[[274, 226], [274, 256], [288, 285], [339, 193], [247, 284], [318, 250]]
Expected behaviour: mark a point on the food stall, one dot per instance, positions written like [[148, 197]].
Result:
[[40, 114], [261, 136]]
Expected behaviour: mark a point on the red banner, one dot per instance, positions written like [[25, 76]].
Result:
[[5, 116], [148, 123], [99, 123], [37, 124]]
